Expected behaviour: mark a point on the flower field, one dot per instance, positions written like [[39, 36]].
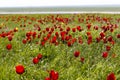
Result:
[[60, 47]]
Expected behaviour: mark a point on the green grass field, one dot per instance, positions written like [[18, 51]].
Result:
[[57, 37]]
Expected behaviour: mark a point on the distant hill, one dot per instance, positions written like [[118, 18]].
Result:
[[62, 9]]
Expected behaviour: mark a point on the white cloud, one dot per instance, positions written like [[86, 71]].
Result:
[[52, 3]]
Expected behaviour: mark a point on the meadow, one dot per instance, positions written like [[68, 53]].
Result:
[[59, 47]]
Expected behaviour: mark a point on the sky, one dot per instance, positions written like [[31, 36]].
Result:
[[55, 3]]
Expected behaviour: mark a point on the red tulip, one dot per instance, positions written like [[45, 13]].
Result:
[[61, 29], [89, 41], [48, 35], [76, 53], [111, 30], [24, 41], [69, 43], [42, 43], [9, 46], [35, 60], [110, 38], [73, 29], [70, 36], [98, 39], [80, 41], [15, 29], [24, 25], [9, 37], [88, 33], [52, 29], [45, 39], [68, 29], [102, 35], [39, 28], [112, 42], [57, 34], [116, 26], [54, 39], [28, 34], [47, 29], [67, 38], [79, 28], [3, 34], [104, 54], [34, 35], [47, 78], [96, 27], [111, 76], [88, 26], [62, 33], [105, 40], [118, 35], [29, 39], [63, 38], [20, 69], [39, 56], [54, 75], [82, 59], [108, 48]]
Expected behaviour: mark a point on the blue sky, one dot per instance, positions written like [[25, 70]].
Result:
[[54, 3]]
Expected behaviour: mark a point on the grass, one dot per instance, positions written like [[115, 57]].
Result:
[[59, 58]]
